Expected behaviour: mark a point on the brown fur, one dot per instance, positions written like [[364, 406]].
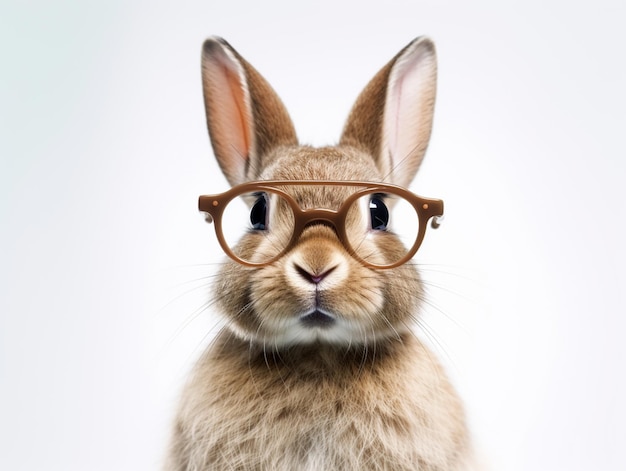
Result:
[[270, 394], [387, 407]]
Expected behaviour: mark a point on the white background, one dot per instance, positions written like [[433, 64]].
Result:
[[104, 261]]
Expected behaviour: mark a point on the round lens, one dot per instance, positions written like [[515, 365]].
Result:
[[257, 226], [382, 228]]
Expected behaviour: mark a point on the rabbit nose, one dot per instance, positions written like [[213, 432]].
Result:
[[314, 278]]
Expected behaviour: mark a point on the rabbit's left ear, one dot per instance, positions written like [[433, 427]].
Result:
[[393, 116], [245, 117]]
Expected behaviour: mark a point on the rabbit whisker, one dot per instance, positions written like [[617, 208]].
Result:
[[247, 162], [436, 341], [401, 162], [427, 301]]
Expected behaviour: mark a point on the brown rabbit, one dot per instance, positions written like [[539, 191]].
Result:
[[318, 368]]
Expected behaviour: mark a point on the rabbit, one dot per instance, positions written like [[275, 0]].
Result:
[[318, 366]]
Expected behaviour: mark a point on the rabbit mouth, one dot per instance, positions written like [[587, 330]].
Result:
[[318, 318]]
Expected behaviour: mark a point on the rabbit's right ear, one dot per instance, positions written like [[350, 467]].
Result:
[[393, 116], [245, 117]]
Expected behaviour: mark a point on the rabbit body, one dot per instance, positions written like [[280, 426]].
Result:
[[312, 408], [271, 393]]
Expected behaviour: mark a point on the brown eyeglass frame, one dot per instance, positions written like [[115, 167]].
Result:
[[426, 209]]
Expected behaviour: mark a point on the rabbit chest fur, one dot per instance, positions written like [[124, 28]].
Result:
[[313, 408], [318, 366]]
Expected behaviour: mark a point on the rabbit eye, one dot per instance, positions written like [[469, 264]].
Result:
[[258, 214], [379, 214]]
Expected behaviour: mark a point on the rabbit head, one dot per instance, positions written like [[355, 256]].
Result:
[[318, 291]]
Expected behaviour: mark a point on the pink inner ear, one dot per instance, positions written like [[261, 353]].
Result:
[[239, 110], [229, 111], [408, 113]]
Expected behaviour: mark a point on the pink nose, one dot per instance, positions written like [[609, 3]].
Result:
[[315, 278]]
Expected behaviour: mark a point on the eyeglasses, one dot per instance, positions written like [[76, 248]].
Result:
[[380, 225]]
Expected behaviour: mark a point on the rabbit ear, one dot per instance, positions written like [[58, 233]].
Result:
[[393, 116], [245, 117]]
